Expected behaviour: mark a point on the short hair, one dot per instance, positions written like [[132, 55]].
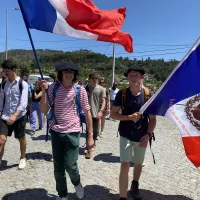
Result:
[[9, 64], [60, 76], [93, 74]]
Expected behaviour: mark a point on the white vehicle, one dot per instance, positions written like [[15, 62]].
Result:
[[35, 77]]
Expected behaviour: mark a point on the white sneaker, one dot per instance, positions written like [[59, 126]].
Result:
[[79, 191], [22, 163], [101, 134], [63, 198]]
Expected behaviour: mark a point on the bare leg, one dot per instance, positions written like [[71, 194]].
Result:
[[3, 139], [22, 142], [102, 123], [123, 179], [137, 172]]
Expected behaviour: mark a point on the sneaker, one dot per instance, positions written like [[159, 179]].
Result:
[[88, 155], [101, 134], [79, 191], [62, 198], [32, 132], [22, 163], [135, 190]]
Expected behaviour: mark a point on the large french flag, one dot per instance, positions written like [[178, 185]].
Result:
[[76, 18], [179, 99]]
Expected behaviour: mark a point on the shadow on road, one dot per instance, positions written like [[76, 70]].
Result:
[[150, 195], [92, 192], [4, 165], [40, 137], [107, 157], [38, 156], [30, 194]]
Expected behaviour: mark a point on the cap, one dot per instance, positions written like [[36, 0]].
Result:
[[67, 66], [137, 69]]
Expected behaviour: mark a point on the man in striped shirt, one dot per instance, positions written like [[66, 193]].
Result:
[[65, 133]]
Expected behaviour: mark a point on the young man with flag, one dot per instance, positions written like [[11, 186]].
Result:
[[65, 127], [135, 130]]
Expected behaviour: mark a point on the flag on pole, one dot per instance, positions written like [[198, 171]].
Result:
[[179, 99], [76, 18]]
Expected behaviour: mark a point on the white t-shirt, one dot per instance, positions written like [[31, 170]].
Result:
[[113, 93]]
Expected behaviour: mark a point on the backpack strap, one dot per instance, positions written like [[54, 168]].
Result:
[[123, 97], [147, 93], [77, 93], [20, 85], [4, 97]]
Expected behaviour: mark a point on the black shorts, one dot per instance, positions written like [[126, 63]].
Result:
[[18, 127]]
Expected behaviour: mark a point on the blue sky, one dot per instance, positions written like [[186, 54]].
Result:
[[159, 28]]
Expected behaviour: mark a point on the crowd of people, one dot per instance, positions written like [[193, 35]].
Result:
[[59, 100]]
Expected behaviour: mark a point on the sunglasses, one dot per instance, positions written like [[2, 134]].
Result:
[[102, 82]]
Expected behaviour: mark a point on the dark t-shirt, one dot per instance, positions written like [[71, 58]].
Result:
[[129, 129], [33, 97]]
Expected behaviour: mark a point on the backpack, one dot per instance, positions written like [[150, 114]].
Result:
[[20, 89], [51, 115], [147, 96]]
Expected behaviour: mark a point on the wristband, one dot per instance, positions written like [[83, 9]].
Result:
[[127, 117], [90, 134]]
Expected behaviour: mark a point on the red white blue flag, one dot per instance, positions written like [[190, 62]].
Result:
[[179, 100], [76, 18]]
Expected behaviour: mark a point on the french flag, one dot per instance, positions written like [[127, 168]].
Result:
[[179, 99], [76, 18]]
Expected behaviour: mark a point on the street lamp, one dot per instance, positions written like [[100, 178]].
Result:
[[7, 28]]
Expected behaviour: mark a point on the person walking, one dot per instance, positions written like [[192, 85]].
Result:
[[13, 103], [135, 130], [35, 108], [106, 111], [65, 127], [96, 98]]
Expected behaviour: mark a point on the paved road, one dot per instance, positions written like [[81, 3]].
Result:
[[172, 178]]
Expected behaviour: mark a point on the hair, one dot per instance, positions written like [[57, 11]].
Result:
[[60, 76], [93, 74], [9, 64]]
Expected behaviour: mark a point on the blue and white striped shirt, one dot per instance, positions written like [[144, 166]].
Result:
[[14, 99]]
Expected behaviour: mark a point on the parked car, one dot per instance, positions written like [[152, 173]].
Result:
[[35, 77]]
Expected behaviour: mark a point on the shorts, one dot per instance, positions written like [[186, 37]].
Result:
[[131, 152], [18, 127]]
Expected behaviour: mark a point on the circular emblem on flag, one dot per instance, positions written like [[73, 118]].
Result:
[[192, 110]]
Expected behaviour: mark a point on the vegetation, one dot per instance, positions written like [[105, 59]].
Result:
[[157, 70]]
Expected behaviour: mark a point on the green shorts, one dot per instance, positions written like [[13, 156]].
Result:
[[131, 152]]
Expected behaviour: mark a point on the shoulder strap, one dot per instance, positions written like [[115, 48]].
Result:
[[123, 97], [55, 89], [146, 94], [77, 92], [3, 85], [4, 97], [20, 85]]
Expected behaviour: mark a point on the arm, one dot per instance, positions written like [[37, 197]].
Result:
[[37, 96], [22, 105], [103, 104], [44, 106], [115, 115], [151, 126]]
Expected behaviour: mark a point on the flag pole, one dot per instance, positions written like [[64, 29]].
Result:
[[113, 68], [36, 58]]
